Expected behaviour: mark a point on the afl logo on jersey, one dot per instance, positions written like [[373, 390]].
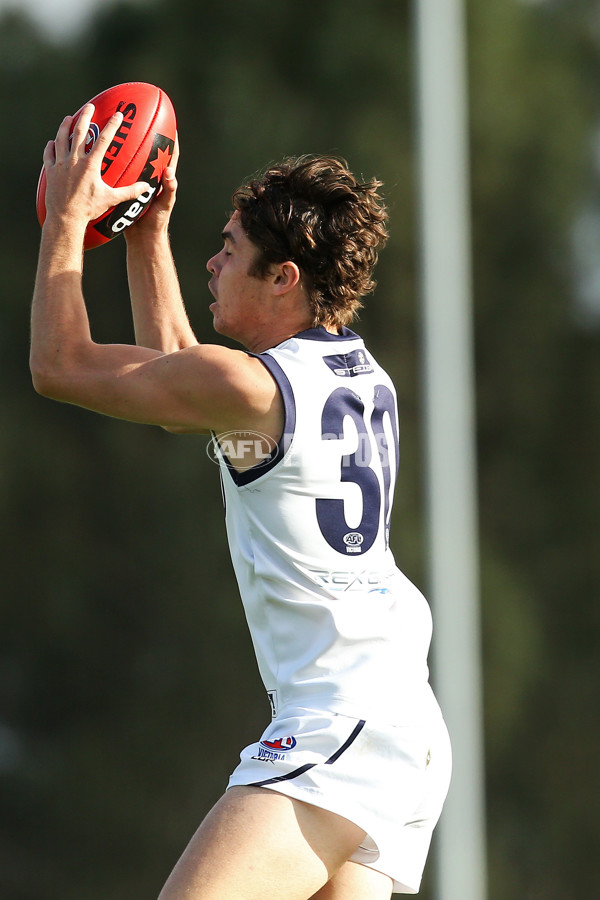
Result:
[[243, 449], [353, 541]]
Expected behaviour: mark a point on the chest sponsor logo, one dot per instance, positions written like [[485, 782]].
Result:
[[347, 365], [342, 580]]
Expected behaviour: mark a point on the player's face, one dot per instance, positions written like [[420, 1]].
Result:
[[239, 309]]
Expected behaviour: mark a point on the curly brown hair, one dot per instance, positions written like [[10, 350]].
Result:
[[312, 210]]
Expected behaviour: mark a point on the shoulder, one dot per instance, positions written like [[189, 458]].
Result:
[[230, 389]]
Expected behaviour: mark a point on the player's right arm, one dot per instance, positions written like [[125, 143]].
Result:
[[159, 316]]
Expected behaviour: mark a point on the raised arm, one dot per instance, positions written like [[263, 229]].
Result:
[[159, 316], [75, 195], [195, 389]]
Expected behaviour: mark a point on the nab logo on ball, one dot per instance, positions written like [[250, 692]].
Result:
[[126, 213]]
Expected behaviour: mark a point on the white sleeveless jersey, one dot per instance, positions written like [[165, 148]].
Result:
[[335, 625]]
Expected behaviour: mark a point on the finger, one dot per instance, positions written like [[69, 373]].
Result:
[[129, 192], [80, 131], [61, 142], [165, 199], [49, 155], [175, 157], [107, 134], [169, 175], [169, 179]]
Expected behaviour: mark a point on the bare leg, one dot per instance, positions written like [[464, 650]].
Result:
[[256, 843], [356, 882]]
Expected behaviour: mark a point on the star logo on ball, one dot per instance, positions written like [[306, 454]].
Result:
[[160, 163]]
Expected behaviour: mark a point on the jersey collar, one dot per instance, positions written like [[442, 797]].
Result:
[[320, 333]]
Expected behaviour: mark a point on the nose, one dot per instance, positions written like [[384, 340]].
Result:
[[211, 265]]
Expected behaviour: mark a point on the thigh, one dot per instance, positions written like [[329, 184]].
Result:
[[256, 842], [356, 882]]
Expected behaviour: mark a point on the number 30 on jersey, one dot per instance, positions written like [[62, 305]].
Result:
[[372, 466]]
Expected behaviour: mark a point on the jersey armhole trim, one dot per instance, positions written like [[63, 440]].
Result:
[[241, 479]]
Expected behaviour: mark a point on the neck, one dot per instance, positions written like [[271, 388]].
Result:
[[261, 344]]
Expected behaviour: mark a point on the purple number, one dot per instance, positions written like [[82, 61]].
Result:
[[357, 468]]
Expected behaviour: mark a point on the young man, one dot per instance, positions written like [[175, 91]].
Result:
[[338, 798]]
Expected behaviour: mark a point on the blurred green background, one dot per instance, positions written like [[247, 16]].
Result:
[[127, 680]]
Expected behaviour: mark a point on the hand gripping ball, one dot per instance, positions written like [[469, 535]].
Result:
[[140, 151]]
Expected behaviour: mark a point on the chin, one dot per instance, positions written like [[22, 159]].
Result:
[[221, 328]]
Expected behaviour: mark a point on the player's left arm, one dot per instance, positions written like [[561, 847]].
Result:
[[159, 315]]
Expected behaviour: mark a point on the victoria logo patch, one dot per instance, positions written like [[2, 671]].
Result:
[[269, 751], [280, 745]]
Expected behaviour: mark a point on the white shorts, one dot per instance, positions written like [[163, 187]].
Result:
[[391, 781]]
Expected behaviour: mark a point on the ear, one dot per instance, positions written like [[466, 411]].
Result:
[[285, 277]]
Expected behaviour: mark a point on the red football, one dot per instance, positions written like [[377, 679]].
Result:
[[140, 151]]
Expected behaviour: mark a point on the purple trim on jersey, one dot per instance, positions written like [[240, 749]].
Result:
[[321, 334], [241, 479]]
